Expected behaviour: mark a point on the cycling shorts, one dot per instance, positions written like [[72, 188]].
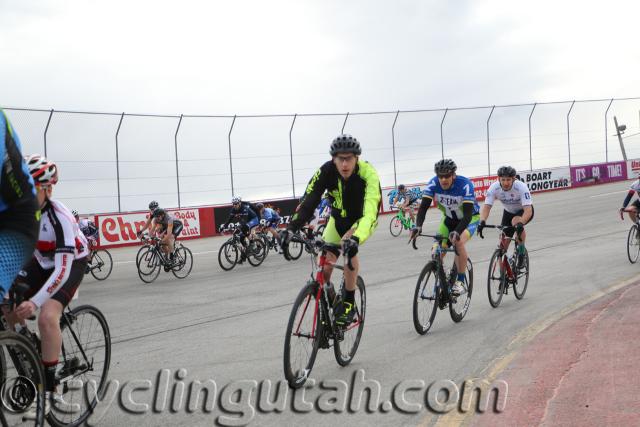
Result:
[[508, 216], [447, 225], [35, 276]]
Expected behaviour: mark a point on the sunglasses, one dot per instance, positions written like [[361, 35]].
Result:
[[447, 176]]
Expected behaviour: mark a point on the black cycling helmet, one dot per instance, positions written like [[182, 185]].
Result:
[[445, 166], [507, 171], [158, 212], [401, 187], [259, 205], [75, 213], [345, 143], [153, 205]]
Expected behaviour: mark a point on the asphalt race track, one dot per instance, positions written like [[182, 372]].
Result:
[[230, 326]]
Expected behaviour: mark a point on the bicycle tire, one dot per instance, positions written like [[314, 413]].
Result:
[[295, 247], [97, 346], [142, 249], [103, 272], [229, 253], [184, 260], [150, 263], [258, 254], [320, 230], [345, 354], [429, 271], [395, 226], [296, 374], [495, 276], [26, 388], [458, 314], [633, 244], [520, 289]]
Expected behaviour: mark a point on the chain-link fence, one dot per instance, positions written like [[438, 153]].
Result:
[[119, 162]]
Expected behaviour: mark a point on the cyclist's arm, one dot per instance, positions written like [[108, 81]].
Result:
[[56, 280], [528, 212], [372, 196], [169, 228], [311, 199], [628, 198], [467, 214], [484, 212], [422, 211], [146, 224]]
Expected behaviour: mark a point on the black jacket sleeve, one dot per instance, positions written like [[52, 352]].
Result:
[[467, 212], [422, 212], [311, 198]]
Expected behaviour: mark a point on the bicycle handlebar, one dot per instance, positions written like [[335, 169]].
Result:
[[438, 237]]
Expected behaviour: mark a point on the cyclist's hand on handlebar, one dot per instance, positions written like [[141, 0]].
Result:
[[415, 231], [481, 226], [350, 247], [454, 237], [25, 310], [622, 214], [519, 228]]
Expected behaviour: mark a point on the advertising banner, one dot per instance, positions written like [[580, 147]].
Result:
[[633, 169], [389, 193], [121, 229], [599, 173], [546, 179], [482, 184]]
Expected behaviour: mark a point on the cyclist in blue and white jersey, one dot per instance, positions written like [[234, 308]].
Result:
[[635, 206], [19, 212], [406, 200], [270, 219], [460, 212], [88, 228], [323, 211], [518, 206]]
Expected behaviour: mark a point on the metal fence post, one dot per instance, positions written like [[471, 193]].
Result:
[[441, 132], [293, 180], [606, 136], [530, 150], [344, 123], [569, 133], [393, 147], [46, 129], [177, 171], [488, 152], [118, 162], [230, 158]]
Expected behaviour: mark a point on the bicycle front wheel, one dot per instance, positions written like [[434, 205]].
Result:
[[633, 244], [149, 265], [302, 337], [425, 298], [294, 248], [228, 255], [522, 277], [183, 262], [257, 252], [346, 343], [458, 306], [22, 383], [101, 264], [395, 226], [84, 359], [495, 279]]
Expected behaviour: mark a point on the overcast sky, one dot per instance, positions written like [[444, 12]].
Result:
[[285, 57], [242, 57]]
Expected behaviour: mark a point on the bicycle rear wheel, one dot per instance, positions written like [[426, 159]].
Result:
[[295, 247], [395, 226], [522, 277], [346, 343], [85, 359], [228, 255], [425, 298], [458, 306], [101, 264], [633, 244], [22, 381], [149, 265], [495, 279], [257, 252], [302, 337], [183, 262]]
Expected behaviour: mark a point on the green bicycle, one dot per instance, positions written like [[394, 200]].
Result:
[[400, 222]]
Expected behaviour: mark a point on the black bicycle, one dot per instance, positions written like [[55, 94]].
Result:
[[151, 258], [312, 326], [233, 251], [302, 240], [84, 361], [633, 238], [100, 264], [505, 270], [434, 287]]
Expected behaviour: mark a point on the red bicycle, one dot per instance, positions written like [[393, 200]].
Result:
[[312, 323], [504, 271]]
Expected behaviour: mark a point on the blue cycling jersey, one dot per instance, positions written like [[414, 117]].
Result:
[[450, 201], [16, 184], [270, 215]]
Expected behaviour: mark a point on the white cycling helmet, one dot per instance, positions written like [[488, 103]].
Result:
[[42, 170]]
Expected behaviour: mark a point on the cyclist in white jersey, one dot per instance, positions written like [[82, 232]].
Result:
[[57, 269], [635, 206], [518, 206]]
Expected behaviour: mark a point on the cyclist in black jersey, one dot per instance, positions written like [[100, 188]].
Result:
[[19, 213], [354, 190]]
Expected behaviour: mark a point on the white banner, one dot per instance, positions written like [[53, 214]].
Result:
[[633, 169], [121, 229], [546, 179]]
